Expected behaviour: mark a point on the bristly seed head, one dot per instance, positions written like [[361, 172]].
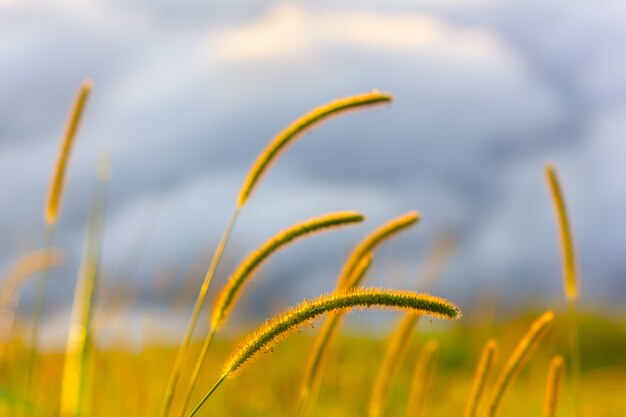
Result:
[[293, 131], [252, 262], [569, 267], [341, 300], [367, 245], [55, 190]]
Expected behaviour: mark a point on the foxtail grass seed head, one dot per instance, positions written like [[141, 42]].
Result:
[[423, 379], [55, 191], [369, 244], [246, 269], [553, 386], [520, 355], [391, 363], [297, 128], [568, 253], [347, 300], [485, 364]]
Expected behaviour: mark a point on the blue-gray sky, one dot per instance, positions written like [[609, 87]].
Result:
[[186, 95]]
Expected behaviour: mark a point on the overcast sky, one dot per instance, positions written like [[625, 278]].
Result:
[[186, 94]]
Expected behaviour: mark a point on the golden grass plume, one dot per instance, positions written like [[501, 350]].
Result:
[[367, 245], [553, 386], [485, 364], [391, 363], [516, 361], [568, 253], [293, 131], [55, 191], [423, 379], [245, 270]]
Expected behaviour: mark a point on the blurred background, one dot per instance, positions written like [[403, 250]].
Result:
[[186, 94]]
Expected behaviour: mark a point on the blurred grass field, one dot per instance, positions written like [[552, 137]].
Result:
[[131, 383], [89, 378]]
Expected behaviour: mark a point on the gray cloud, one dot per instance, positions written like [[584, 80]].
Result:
[[185, 98]]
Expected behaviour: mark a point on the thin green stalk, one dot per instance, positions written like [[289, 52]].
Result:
[[206, 397], [196, 371], [575, 352], [184, 347]]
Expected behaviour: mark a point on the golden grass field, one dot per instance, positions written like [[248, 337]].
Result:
[[546, 360]]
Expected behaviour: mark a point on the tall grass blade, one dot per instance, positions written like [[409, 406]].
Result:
[[73, 401], [520, 355], [553, 387], [570, 274], [391, 362], [423, 379], [485, 364]]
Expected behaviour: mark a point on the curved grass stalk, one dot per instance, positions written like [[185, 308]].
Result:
[[485, 364], [423, 379], [277, 328], [370, 243], [195, 314], [391, 363], [246, 269], [520, 355], [55, 192], [25, 267], [312, 374], [553, 386], [297, 128], [570, 274], [74, 401]]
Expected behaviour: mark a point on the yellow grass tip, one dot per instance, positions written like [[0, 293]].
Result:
[[391, 362], [485, 364], [553, 386], [520, 355], [55, 189], [301, 125], [371, 241], [568, 253]]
